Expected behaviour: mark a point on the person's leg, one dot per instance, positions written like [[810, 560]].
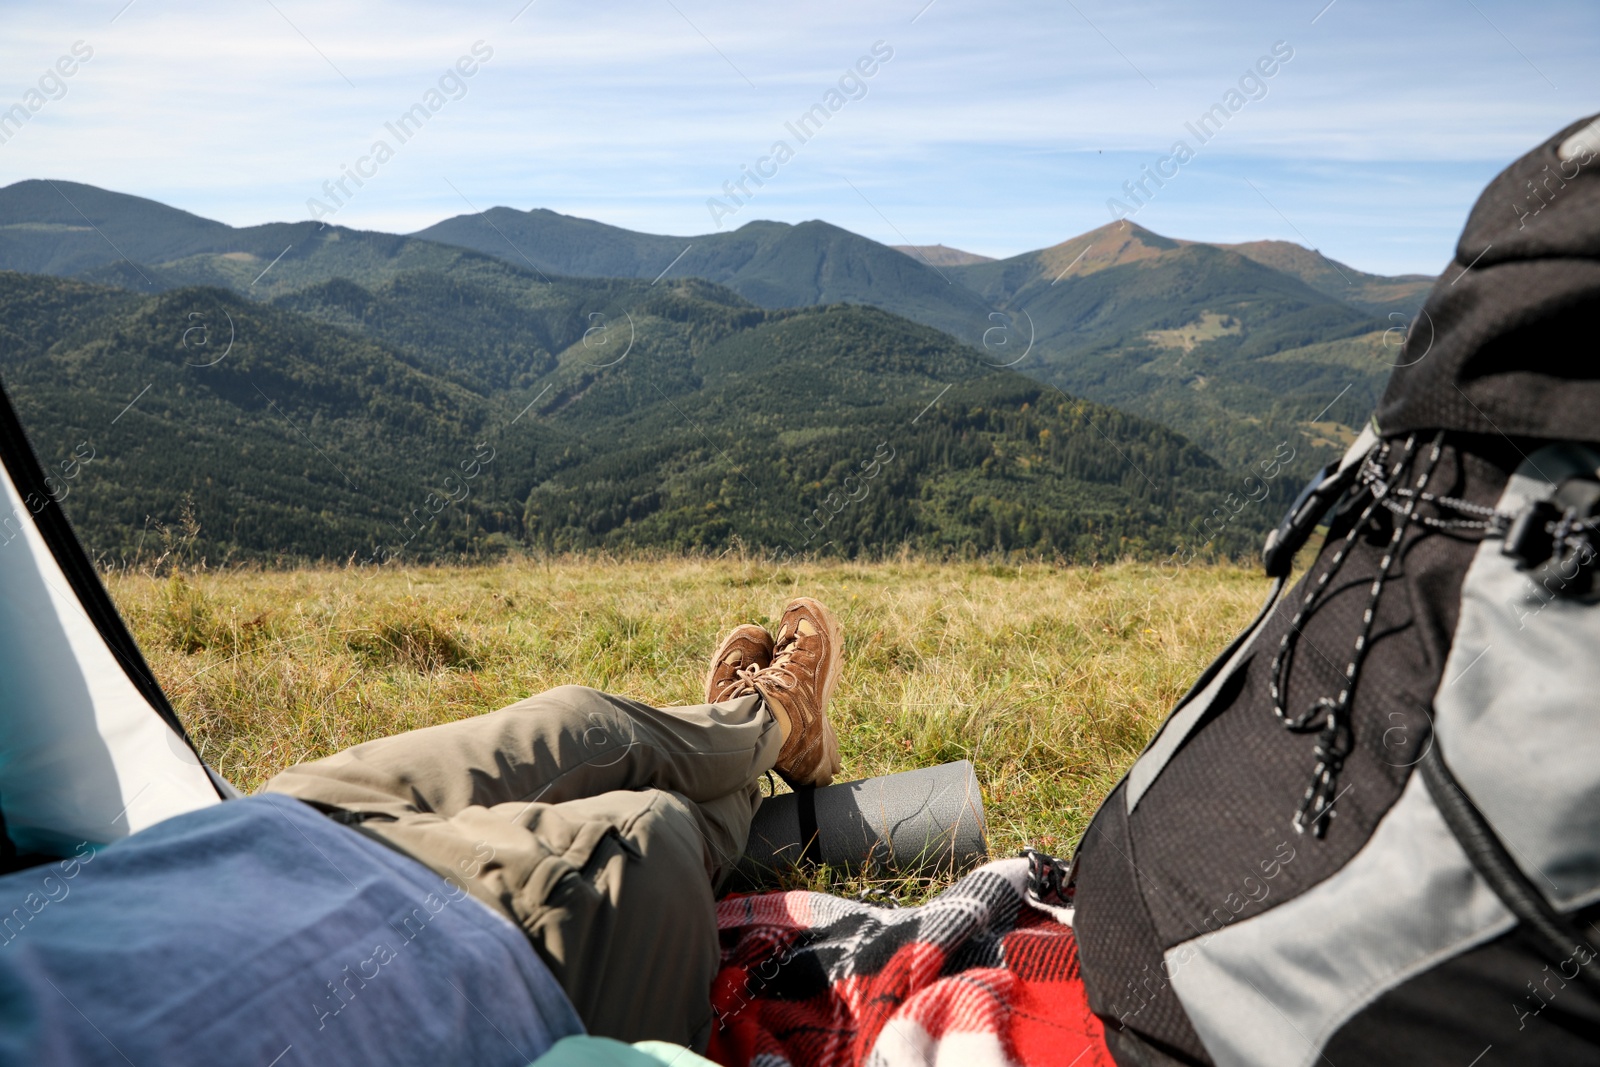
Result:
[[596, 824], [560, 745], [599, 825], [615, 893]]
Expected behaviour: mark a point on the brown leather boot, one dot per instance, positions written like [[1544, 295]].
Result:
[[743, 652], [797, 685]]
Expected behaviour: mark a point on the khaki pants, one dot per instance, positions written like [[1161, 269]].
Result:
[[596, 824]]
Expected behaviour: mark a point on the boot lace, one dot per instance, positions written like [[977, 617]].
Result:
[[751, 678], [744, 681]]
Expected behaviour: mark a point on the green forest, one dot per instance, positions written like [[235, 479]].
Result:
[[345, 424]]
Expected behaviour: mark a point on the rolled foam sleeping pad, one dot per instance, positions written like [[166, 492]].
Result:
[[922, 822]]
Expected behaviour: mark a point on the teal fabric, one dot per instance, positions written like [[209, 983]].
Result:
[[604, 1052]]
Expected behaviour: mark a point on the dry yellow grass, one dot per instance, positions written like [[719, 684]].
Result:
[[1049, 679]]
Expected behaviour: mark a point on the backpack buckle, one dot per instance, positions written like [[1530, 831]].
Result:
[[1554, 538]]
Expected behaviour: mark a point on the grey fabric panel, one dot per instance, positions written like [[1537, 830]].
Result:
[[1517, 714], [1270, 991], [1177, 727]]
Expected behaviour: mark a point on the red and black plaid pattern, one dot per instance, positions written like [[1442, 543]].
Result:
[[978, 976]]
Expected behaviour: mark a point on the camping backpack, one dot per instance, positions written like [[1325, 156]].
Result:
[[1371, 832]]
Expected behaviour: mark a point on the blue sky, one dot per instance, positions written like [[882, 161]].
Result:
[[996, 127]]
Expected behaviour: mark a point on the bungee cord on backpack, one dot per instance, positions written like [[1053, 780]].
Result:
[[1552, 538], [1330, 717]]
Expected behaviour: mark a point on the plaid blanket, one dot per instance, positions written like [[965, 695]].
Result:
[[983, 974]]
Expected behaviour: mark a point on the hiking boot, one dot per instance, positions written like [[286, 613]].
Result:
[[743, 652], [797, 685]]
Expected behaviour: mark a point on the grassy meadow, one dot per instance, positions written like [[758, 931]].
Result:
[[1050, 679]]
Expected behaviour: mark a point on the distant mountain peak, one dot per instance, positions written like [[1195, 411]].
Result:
[[1299, 260], [1339, 280], [1106, 246], [56, 199], [941, 255]]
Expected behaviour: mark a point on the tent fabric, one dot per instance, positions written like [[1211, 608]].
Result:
[[262, 932], [90, 751]]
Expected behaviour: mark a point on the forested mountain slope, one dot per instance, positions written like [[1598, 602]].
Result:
[[342, 423]]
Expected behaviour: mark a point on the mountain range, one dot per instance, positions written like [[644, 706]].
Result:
[[1245, 350]]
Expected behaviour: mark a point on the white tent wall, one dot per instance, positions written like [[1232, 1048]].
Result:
[[84, 756]]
